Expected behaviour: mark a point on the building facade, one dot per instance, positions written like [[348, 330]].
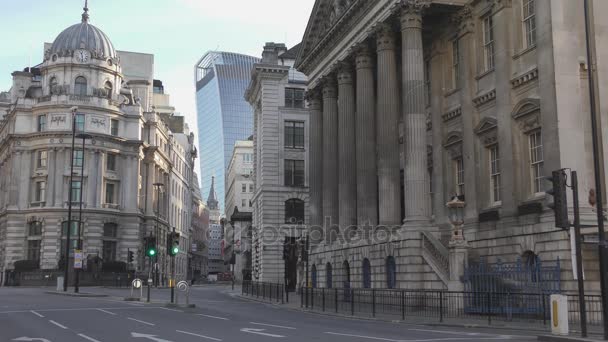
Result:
[[109, 95], [415, 101], [280, 154], [216, 234], [223, 115], [239, 179], [199, 241]]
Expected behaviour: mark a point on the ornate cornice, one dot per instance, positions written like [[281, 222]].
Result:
[[524, 78], [411, 13], [345, 73], [457, 112], [330, 89], [385, 37], [364, 58], [485, 98], [463, 19]]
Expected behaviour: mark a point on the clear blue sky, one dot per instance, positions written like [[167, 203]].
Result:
[[177, 32]]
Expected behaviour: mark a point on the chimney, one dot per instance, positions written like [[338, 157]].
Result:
[[271, 53]]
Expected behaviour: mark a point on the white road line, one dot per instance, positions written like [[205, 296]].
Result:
[[57, 324], [197, 335], [450, 332], [108, 312], [37, 314], [361, 336], [272, 325], [214, 317], [88, 338], [136, 320], [80, 309], [424, 340], [174, 310]]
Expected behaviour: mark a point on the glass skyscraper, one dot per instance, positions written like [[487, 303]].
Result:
[[224, 116]]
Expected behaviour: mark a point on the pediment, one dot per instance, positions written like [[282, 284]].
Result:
[[525, 107], [486, 124], [452, 138]]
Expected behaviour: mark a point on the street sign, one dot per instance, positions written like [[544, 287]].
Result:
[[137, 283], [78, 256]]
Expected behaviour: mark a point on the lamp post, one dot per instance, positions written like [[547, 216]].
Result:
[[83, 136], [69, 224], [158, 187], [458, 247]]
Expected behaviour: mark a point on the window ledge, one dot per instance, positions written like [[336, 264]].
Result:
[[484, 74], [111, 206], [451, 92], [524, 51], [296, 149], [37, 204]]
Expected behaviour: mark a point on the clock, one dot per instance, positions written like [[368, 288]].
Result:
[[82, 56]]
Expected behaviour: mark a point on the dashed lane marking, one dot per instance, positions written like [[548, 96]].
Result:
[[88, 338], [198, 335], [57, 324], [174, 310], [143, 322], [272, 325], [214, 317], [106, 311], [37, 314]]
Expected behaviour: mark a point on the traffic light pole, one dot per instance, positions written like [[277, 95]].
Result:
[[579, 257]]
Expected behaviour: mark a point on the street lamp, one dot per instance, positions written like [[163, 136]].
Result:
[[69, 224], [456, 216], [83, 136]]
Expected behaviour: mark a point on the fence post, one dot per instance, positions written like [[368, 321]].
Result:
[[352, 302], [373, 302], [403, 305], [336, 299], [323, 299], [488, 298], [312, 298], [263, 291], [542, 298], [283, 293], [302, 296], [441, 306]]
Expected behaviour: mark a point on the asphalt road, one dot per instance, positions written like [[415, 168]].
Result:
[[28, 314]]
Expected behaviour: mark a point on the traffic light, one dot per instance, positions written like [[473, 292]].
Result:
[[151, 247], [130, 256], [173, 244], [560, 202]]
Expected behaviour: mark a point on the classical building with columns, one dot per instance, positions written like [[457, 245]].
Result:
[[414, 101], [134, 141]]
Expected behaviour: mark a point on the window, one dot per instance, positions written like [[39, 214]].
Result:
[[455, 64], [110, 193], [536, 161], [110, 230], [108, 88], [41, 159], [494, 174], [73, 236], [244, 204], [35, 228], [367, 274], [247, 157], [459, 175], [78, 158], [33, 250], [328, 276], [80, 86], [391, 273], [294, 134], [251, 188], [488, 42], [109, 251], [294, 172], [111, 162], [114, 127], [76, 191], [41, 123], [243, 188], [294, 98], [529, 21], [52, 84], [79, 122], [294, 211], [40, 194]]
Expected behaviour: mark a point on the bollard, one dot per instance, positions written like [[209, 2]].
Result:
[[182, 286]]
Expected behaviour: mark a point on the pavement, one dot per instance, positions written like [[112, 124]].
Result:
[[30, 314]]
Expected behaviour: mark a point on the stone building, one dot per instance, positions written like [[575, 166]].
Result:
[[215, 263], [199, 240], [239, 179], [131, 147], [413, 101], [280, 141]]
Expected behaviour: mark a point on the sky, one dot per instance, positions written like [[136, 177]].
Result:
[[177, 32]]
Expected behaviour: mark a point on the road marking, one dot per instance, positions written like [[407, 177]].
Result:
[[149, 337], [79, 309], [502, 337], [37, 314], [215, 317], [136, 320], [260, 332], [57, 324], [272, 325], [174, 310], [108, 312], [197, 335], [88, 338], [25, 338], [450, 332]]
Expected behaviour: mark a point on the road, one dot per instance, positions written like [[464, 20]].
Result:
[[29, 314]]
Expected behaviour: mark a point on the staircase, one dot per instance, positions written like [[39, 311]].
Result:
[[436, 255]]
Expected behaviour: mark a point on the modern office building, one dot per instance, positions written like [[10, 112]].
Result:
[[223, 114]]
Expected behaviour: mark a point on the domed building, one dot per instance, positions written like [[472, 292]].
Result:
[[123, 146]]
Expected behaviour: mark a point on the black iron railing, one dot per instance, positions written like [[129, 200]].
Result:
[[272, 292]]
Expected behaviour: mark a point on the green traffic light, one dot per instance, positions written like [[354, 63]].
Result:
[[175, 250], [151, 252]]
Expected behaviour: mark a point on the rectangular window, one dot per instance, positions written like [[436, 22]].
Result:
[[488, 42], [76, 190], [294, 134], [33, 250], [455, 64], [536, 161], [294, 172], [109, 251], [494, 174], [250, 187], [41, 159], [40, 194], [78, 158], [110, 193], [35, 228], [41, 123], [110, 230], [79, 122], [529, 21], [294, 98], [459, 175], [111, 162], [243, 188], [114, 127], [243, 203]]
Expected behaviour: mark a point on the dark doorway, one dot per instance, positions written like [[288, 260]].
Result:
[[291, 263], [367, 274]]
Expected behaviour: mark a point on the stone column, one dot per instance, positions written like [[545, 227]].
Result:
[[347, 182], [367, 186], [387, 128], [417, 200], [330, 155], [315, 166]]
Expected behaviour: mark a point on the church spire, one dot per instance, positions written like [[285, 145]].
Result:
[[212, 201], [85, 14]]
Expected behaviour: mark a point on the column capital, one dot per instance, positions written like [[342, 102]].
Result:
[[385, 37], [463, 19], [345, 73], [411, 13], [314, 97], [330, 89], [363, 57]]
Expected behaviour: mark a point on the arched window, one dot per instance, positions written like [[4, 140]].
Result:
[[328, 276], [367, 274], [108, 88], [391, 272], [346, 267], [313, 276], [52, 84], [80, 86], [294, 211]]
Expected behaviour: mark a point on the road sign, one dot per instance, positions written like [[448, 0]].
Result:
[[78, 256], [137, 283]]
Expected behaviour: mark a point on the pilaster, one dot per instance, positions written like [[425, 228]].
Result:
[[330, 156], [315, 108]]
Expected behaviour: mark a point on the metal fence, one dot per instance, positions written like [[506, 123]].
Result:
[[480, 307], [272, 292]]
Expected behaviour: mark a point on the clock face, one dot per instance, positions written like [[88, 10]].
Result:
[[82, 56]]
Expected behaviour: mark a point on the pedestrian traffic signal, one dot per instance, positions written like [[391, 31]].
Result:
[[130, 256], [151, 247], [560, 202]]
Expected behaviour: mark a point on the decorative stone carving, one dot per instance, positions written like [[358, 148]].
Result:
[[454, 113], [524, 78], [58, 119], [98, 122], [484, 98], [100, 92], [60, 89], [463, 19], [487, 132], [527, 114], [385, 37], [453, 144], [364, 57]]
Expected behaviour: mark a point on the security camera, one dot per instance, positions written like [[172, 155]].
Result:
[[74, 109]]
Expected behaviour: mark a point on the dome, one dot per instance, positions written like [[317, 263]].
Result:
[[83, 36]]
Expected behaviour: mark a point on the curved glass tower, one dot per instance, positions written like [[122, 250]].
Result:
[[224, 116]]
